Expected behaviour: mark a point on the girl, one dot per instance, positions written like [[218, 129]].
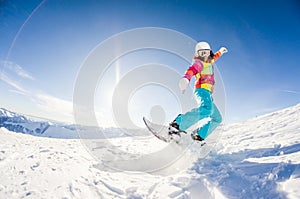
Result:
[[203, 69]]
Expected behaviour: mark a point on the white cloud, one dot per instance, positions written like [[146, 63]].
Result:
[[17, 69], [47, 105], [54, 105], [105, 117], [12, 83], [291, 91]]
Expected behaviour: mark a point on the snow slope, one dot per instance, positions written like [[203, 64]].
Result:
[[258, 158]]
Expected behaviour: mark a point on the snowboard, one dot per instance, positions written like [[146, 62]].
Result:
[[162, 133]]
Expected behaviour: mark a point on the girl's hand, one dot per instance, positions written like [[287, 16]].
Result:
[[223, 50], [183, 83]]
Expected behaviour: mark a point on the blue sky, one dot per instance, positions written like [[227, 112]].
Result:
[[44, 43]]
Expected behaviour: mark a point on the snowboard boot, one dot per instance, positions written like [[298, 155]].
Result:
[[197, 137], [174, 132], [174, 128]]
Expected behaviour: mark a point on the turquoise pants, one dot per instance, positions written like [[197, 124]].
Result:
[[206, 109]]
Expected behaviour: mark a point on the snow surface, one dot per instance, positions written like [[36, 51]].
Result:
[[258, 158]]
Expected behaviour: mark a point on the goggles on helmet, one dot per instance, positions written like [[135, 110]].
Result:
[[204, 52]]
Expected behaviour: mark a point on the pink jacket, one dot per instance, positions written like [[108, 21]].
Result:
[[204, 72]]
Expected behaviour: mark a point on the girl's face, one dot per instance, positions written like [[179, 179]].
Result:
[[204, 54], [205, 58]]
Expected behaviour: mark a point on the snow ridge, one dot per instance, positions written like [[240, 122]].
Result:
[[19, 123], [22, 124]]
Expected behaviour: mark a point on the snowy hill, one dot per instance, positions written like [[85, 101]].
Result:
[[40, 127], [258, 158], [19, 123]]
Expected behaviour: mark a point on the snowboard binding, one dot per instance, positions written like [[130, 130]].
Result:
[[174, 129], [175, 132], [195, 136]]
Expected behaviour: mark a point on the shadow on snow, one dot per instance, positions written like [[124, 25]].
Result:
[[238, 178]]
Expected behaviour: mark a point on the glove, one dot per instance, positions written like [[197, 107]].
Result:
[[223, 50], [183, 83]]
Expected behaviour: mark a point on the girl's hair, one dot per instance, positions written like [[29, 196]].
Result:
[[210, 57]]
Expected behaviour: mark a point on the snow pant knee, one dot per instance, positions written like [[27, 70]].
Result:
[[208, 128], [204, 110]]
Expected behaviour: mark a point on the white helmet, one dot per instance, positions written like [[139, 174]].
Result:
[[202, 46]]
